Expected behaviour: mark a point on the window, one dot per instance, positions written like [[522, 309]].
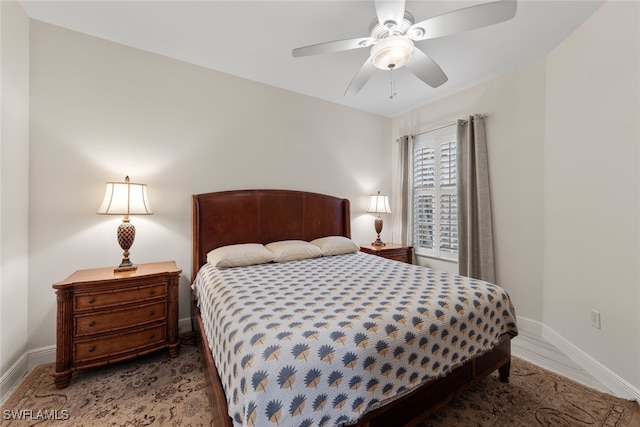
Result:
[[435, 222]]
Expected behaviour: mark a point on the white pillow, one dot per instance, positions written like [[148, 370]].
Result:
[[293, 250], [336, 245], [239, 255]]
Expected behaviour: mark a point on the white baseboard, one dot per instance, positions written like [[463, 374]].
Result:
[[184, 325], [604, 375], [12, 377], [608, 378], [528, 326], [43, 355], [29, 360]]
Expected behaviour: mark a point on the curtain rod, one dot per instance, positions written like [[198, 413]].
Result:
[[484, 116], [443, 125]]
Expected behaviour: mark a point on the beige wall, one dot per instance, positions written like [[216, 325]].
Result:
[[100, 111], [14, 184], [515, 130], [564, 158], [591, 188]]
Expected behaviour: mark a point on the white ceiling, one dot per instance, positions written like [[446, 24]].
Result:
[[254, 39]]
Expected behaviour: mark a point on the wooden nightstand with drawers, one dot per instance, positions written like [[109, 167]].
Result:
[[391, 251], [105, 316]]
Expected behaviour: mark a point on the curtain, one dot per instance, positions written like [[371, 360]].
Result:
[[400, 205], [475, 231]]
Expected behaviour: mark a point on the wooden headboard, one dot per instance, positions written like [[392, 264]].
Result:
[[264, 216]]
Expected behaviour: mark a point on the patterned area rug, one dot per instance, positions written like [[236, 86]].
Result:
[[535, 397], [159, 391], [151, 390]]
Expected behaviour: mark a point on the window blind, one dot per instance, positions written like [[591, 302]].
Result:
[[435, 222]]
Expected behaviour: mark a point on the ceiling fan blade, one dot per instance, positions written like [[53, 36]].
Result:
[[335, 46], [426, 69], [361, 78], [389, 11], [458, 21]]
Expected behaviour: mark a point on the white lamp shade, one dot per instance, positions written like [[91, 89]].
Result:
[[392, 52], [379, 204], [125, 198]]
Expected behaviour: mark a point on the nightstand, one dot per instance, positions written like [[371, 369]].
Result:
[[105, 317], [391, 251]]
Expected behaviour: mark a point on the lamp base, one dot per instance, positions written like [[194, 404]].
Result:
[[126, 235], [125, 265], [379, 242], [378, 226]]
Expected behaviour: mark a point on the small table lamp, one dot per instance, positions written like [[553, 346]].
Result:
[[378, 204], [125, 198]]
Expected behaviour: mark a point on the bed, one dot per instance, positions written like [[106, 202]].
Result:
[[341, 394]]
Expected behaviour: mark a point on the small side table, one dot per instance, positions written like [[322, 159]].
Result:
[[105, 316], [393, 251]]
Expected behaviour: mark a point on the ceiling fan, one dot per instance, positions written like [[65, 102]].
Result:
[[394, 31]]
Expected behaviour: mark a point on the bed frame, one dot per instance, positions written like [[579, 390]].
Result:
[[264, 216]]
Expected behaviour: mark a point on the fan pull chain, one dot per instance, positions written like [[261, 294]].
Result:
[[392, 92]]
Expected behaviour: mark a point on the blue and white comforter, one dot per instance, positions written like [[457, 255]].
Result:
[[320, 342]]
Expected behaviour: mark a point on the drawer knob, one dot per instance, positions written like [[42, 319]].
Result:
[[92, 349], [92, 300], [152, 292], [92, 323], [152, 312], [152, 336]]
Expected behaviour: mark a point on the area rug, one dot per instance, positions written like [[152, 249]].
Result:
[[155, 390], [535, 397]]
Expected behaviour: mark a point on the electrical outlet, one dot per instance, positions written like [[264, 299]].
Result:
[[595, 319]]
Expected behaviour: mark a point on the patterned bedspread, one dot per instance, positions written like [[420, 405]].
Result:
[[320, 342]]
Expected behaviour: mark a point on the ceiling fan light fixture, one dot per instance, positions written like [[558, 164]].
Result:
[[390, 25], [366, 42], [392, 52], [416, 33]]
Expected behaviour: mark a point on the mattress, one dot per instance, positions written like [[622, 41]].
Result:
[[320, 342]]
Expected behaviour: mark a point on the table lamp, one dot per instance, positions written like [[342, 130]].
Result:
[[125, 198], [378, 204]]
